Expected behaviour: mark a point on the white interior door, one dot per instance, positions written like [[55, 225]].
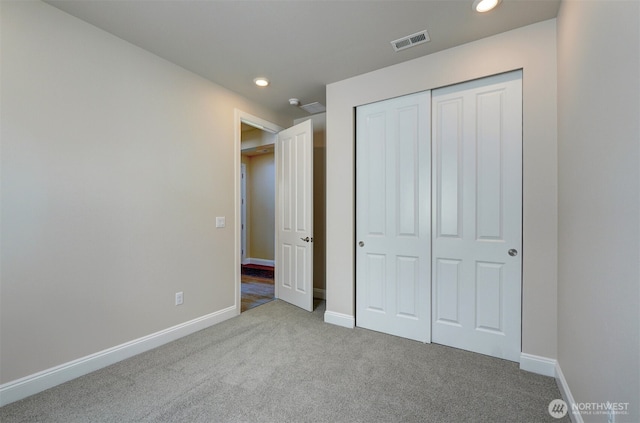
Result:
[[393, 255], [294, 215], [477, 215]]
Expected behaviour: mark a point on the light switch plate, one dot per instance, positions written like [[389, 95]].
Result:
[[220, 222]]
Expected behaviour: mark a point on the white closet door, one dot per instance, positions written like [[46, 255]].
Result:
[[393, 217], [477, 215]]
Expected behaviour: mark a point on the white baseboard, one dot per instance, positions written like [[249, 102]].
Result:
[[38, 382], [339, 319], [537, 364], [319, 293], [566, 395], [550, 367], [260, 262]]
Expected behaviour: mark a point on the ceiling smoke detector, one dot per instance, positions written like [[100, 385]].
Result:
[[294, 101], [410, 40]]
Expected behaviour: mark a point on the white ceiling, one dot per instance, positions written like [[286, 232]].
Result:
[[300, 45]]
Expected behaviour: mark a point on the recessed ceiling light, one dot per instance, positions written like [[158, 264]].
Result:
[[485, 5], [261, 82]]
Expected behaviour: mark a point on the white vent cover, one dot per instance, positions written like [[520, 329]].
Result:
[[410, 40], [313, 108]]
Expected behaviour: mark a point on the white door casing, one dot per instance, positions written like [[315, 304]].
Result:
[[393, 210], [294, 215], [243, 213], [477, 215]]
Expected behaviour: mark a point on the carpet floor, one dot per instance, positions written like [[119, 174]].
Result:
[[278, 363]]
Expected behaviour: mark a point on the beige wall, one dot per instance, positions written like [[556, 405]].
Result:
[[114, 165], [599, 208], [261, 186], [532, 48], [319, 198]]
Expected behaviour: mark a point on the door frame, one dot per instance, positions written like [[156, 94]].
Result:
[[240, 117], [243, 212]]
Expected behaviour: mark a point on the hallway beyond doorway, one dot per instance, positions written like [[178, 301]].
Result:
[[257, 286]]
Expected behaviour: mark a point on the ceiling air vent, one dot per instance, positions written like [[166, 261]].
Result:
[[313, 108], [410, 41]]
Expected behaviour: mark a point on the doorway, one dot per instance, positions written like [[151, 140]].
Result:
[[293, 214], [257, 212], [258, 217]]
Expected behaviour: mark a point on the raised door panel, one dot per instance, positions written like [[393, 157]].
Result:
[[490, 297], [375, 198], [407, 176], [376, 273], [448, 150], [285, 266], [407, 283], [285, 183], [301, 183], [447, 277], [489, 150]]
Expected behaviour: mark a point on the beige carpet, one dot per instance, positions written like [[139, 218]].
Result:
[[278, 363]]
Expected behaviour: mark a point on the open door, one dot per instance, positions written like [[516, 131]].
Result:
[[294, 215]]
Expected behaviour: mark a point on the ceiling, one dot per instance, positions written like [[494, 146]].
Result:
[[299, 45]]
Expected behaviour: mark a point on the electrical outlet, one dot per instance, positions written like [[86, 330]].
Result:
[[220, 222], [179, 298]]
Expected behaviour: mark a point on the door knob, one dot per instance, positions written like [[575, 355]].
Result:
[[361, 244], [307, 239], [513, 252]]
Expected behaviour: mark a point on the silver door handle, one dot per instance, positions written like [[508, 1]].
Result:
[[361, 244], [513, 252]]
